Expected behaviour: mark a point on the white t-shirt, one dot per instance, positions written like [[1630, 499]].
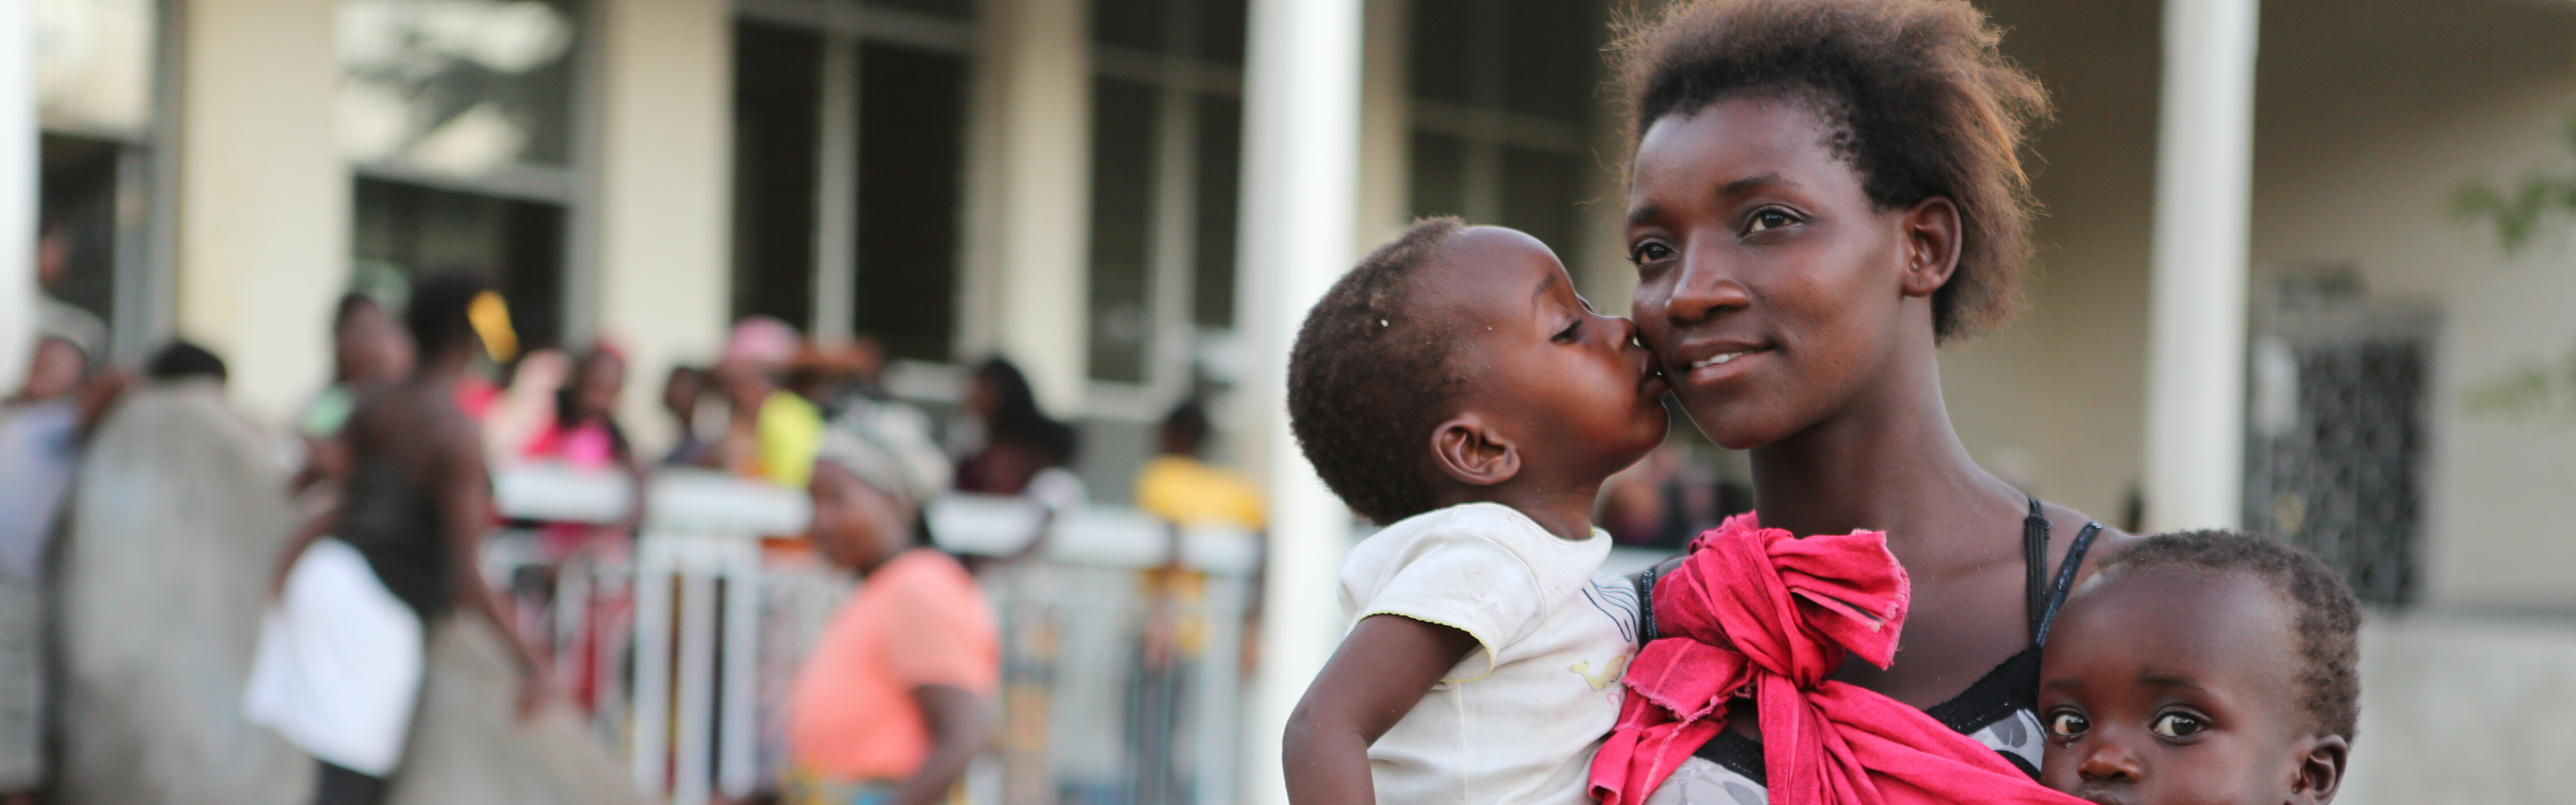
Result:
[[1516, 721]]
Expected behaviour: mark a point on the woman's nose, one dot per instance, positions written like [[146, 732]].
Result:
[[1703, 290]]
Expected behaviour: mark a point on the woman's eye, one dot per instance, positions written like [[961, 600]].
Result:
[[2177, 725], [1648, 252], [2068, 725], [1769, 219], [1568, 334]]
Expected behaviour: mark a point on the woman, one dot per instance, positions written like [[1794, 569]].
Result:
[[1822, 192], [890, 706], [1021, 450], [418, 498]]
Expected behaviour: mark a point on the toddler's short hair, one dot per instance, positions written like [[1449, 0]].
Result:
[[1369, 378], [2327, 618]]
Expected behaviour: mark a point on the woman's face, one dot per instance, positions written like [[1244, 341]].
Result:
[[854, 525], [1769, 285], [603, 377]]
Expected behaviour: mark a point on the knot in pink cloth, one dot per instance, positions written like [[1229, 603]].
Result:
[[1759, 613]]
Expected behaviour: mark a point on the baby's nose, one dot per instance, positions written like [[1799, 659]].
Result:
[[2108, 761]]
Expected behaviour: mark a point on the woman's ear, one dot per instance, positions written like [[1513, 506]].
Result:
[[2320, 770], [1931, 245], [1472, 453]]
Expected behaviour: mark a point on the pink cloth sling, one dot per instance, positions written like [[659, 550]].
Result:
[[1757, 612]]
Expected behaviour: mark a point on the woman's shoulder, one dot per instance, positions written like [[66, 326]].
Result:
[[2067, 526]]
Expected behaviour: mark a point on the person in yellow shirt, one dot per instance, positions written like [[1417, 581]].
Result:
[[1178, 487]]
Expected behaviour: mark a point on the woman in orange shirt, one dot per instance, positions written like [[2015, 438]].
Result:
[[895, 698]]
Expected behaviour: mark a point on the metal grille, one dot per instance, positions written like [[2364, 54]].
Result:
[[2337, 429]]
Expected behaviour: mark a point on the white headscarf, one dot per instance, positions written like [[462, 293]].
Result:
[[889, 447]]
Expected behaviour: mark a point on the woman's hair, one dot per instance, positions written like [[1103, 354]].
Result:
[[1919, 102], [437, 316], [1016, 417]]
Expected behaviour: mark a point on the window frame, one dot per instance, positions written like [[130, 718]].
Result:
[[844, 28], [1174, 342]]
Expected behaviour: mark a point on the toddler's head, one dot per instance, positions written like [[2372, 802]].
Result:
[[1457, 362], [2203, 667]]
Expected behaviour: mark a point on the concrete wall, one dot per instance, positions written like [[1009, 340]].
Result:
[[2460, 710], [264, 195], [2372, 115], [665, 169]]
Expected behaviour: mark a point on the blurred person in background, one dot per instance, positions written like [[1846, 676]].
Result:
[[418, 497], [524, 411], [682, 390], [367, 349], [585, 437], [1662, 502], [55, 317], [184, 361], [1011, 447], [1185, 491], [583, 434], [1179, 487], [773, 433], [42, 430], [892, 703], [835, 373]]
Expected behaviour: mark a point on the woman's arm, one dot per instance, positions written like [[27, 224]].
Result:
[[1382, 669], [323, 519], [464, 494], [958, 731]]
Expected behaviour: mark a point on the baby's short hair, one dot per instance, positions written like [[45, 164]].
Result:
[[2327, 619], [1369, 378]]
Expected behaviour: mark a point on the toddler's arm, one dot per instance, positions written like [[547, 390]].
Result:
[[1382, 669]]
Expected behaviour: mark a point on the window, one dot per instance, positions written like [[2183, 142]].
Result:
[[849, 137], [1502, 111], [104, 189], [1167, 119], [459, 115]]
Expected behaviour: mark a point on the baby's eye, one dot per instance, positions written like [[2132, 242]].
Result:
[[1769, 219], [2177, 725], [2068, 725], [1648, 252]]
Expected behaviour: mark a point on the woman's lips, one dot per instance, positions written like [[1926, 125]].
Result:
[[1719, 365]]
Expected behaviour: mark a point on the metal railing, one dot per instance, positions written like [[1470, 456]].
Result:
[[1122, 635]]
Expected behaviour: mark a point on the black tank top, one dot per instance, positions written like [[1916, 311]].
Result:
[[2000, 708], [395, 522]]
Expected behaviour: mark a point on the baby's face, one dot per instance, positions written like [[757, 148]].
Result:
[[2167, 687], [1570, 384]]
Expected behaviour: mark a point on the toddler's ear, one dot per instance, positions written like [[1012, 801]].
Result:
[[1472, 453], [2320, 770]]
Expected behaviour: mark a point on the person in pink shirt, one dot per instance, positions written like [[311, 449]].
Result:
[[895, 698]]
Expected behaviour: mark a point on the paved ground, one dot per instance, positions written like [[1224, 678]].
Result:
[[179, 513]]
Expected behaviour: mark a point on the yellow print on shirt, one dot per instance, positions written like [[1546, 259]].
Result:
[[1608, 677]]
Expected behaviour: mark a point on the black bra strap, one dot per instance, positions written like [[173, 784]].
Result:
[[2065, 579], [1646, 606], [2034, 562]]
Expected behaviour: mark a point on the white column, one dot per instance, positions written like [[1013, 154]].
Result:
[[665, 182], [1300, 206], [264, 194], [1031, 213], [2196, 330], [17, 189]]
